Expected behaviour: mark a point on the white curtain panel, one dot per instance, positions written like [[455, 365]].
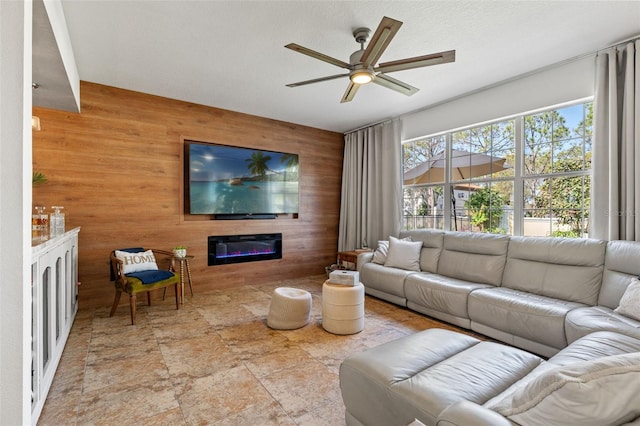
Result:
[[615, 186], [371, 204]]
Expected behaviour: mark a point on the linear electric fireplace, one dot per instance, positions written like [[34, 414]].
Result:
[[225, 249]]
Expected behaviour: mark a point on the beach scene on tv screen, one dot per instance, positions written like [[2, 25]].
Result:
[[233, 180]]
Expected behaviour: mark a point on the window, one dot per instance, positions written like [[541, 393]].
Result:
[[423, 198], [529, 175]]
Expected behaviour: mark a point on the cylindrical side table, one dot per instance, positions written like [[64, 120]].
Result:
[[342, 308]]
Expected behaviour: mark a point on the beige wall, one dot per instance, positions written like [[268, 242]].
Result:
[[117, 169], [554, 85]]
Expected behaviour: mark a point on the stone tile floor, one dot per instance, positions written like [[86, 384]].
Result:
[[214, 362]]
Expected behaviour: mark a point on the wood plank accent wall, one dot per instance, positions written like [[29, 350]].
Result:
[[117, 168]]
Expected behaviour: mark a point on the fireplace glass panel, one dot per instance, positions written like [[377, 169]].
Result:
[[225, 249]]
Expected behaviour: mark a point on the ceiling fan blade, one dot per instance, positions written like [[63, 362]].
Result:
[[393, 84], [417, 62], [318, 55], [317, 80], [352, 88], [380, 40]]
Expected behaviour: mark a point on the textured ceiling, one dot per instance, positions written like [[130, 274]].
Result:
[[230, 54]]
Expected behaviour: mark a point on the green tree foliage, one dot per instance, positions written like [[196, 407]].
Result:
[[540, 133], [424, 209], [585, 128], [494, 139], [564, 197], [485, 209]]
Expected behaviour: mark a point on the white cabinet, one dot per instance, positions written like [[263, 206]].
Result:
[[54, 290]]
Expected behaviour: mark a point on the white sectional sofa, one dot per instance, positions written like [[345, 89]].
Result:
[[546, 297], [440, 377], [538, 294]]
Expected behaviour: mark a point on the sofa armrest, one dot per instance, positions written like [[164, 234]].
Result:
[[363, 258], [467, 413]]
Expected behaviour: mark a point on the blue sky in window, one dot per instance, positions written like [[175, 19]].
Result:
[[573, 116]]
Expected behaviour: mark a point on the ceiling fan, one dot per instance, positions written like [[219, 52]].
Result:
[[362, 63]]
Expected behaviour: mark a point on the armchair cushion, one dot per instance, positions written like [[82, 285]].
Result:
[[135, 285], [134, 262], [149, 277]]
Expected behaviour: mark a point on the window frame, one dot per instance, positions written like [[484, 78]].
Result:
[[519, 176]]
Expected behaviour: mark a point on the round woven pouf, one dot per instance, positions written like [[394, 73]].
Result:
[[342, 308], [290, 308]]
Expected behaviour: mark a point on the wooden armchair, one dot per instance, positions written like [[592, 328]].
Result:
[[135, 271]]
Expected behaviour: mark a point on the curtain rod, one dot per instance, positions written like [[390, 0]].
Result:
[[366, 126], [499, 83]]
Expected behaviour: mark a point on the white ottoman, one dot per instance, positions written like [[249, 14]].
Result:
[[290, 308], [342, 308]]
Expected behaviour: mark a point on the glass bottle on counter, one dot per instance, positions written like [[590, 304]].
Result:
[[39, 224], [56, 221]]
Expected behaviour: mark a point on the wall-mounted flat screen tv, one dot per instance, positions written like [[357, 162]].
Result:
[[229, 180]]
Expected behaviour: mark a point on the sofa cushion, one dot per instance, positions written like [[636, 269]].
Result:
[[419, 375], [403, 254], [563, 268], [595, 345], [530, 316], [467, 413], [620, 266], [630, 301], [583, 321], [439, 293], [386, 283], [473, 257], [431, 247], [603, 391]]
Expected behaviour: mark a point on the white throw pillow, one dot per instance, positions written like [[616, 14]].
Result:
[[135, 262], [404, 254], [630, 301], [380, 255], [382, 251], [604, 391]]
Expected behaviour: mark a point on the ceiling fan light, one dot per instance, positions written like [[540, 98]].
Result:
[[361, 77]]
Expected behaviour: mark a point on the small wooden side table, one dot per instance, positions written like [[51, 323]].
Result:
[[184, 263], [350, 256]]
